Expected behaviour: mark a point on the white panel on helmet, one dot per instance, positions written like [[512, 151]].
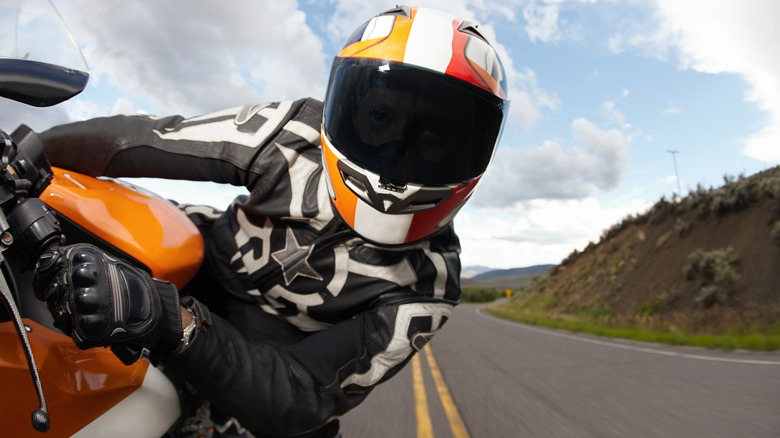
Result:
[[430, 40], [379, 27], [482, 54], [381, 227]]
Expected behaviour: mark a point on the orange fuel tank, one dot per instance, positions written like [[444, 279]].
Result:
[[141, 224], [79, 385]]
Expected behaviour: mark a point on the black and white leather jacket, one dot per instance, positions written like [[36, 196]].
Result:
[[353, 312]]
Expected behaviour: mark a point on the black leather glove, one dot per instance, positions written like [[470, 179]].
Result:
[[102, 301]]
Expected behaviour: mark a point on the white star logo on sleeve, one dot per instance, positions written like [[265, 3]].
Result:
[[294, 260]]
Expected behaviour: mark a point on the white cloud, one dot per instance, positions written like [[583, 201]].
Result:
[[12, 114], [527, 99], [185, 56], [735, 37], [672, 109], [721, 37], [551, 171], [645, 32], [614, 115], [541, 22], [82, 109], [535, 232], [182, 61], [124, 105], [765, 145], [544, 22]]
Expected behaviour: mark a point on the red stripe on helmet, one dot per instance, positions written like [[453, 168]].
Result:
[[463, 68], [424, 223]]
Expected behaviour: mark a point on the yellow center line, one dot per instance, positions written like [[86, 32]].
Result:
[[456, 422], [424, 427]]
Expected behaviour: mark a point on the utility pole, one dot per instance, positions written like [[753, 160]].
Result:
[[676, 175]]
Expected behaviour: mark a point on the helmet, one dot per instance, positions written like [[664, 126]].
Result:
[[415, 105]]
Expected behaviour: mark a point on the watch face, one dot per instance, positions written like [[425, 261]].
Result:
[[186, 335]]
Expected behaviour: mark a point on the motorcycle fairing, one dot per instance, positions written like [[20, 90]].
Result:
[[80, 385], [144, 226]]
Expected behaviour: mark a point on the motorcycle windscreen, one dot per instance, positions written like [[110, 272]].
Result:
[[40, 62]]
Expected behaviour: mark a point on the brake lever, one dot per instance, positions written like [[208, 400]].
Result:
[[39, 417]]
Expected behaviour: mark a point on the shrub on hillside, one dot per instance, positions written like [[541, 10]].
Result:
[[682, 227], [570, 258], [734, 197], [481, 294], [716, 274], [775, 232], [771, 187], [660, 211]]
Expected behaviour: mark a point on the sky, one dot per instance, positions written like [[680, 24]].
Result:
[[614, 104]]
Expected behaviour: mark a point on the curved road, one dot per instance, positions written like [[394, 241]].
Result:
[[514, 380]]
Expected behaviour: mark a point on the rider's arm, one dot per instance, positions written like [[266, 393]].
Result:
[[226, 146], [296, 388]]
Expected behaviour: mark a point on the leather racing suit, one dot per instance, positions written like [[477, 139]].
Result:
[[306, 316]]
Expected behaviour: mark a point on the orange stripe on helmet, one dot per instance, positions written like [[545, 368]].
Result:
[[346, 201], [391, 47]]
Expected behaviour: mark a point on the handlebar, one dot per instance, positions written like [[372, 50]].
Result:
[[27, 228]]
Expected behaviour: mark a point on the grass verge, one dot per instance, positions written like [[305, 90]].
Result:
[[601, 326]]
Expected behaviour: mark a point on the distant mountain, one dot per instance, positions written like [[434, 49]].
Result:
[[502, 278], [514, 272], [471, 271]]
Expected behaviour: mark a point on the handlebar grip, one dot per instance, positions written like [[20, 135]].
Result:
[[34, 228]]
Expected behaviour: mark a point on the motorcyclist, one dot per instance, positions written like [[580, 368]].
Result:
[[341, 262]]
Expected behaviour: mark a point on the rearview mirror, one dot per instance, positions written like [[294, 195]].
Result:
[[40, 63]]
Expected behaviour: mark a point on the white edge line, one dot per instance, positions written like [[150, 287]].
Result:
[[625, 347]]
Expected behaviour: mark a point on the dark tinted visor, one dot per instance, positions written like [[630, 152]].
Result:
[[410, 125]]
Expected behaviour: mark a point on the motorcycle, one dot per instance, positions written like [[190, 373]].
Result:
[[73, 392]]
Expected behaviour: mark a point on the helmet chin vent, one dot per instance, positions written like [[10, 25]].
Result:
[[356, 185], [424, 205], [391, 185], [390, 196]]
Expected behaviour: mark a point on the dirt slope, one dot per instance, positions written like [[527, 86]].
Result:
[[709, 262]]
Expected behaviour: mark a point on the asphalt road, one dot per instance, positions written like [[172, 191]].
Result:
[[514, 380]]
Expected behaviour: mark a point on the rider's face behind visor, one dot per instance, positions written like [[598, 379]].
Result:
[[409, 125]]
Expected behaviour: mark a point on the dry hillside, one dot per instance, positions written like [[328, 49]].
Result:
[[709, 262]]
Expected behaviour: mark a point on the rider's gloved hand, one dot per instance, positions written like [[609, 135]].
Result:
[[102, 301]]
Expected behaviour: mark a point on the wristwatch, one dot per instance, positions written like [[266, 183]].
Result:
[[187, 332]]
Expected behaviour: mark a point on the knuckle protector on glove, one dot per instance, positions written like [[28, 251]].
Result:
[[111, 300], [46, 284], [100, 300], [51, 286]]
